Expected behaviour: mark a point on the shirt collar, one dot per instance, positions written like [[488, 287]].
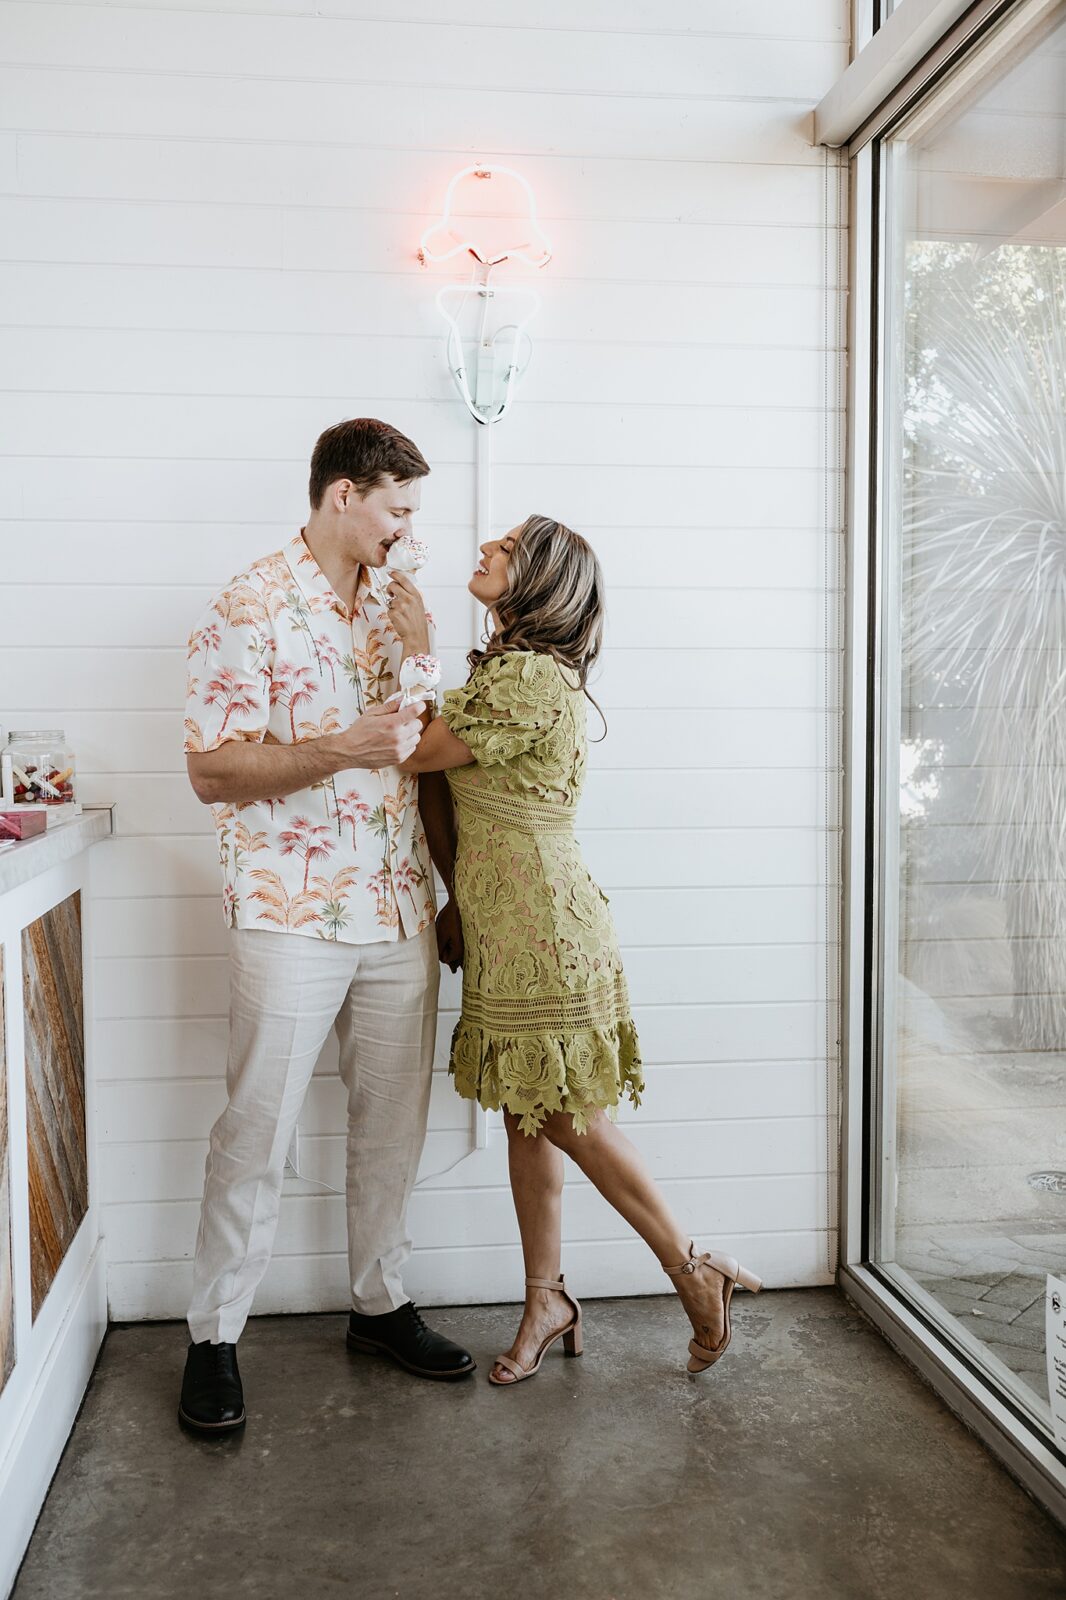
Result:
[[312, 581]]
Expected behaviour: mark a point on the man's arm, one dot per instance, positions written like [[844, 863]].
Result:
[[243, 770]]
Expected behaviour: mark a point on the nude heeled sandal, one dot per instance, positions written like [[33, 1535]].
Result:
[[700, 1355], [570, 1335]]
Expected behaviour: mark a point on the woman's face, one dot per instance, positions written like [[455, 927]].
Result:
[[491, 577]]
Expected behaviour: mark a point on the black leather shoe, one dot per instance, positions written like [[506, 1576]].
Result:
[[403, 1335], [212, 1400]]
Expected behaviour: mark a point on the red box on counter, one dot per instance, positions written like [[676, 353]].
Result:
[[22, 824]]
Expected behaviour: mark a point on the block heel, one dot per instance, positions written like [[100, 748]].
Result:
[[702, 1356], [573, 1343]]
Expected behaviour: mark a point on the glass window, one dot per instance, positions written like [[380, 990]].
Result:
[[971, 1185]]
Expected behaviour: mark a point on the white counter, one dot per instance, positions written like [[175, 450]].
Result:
[[29, 857], [53, 1278]]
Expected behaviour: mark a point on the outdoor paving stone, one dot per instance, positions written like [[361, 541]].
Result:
[[1052, 1253], [963, 1305], [1042, 1236], [1034, 1317], [978, 1260], [965, 1288], [1024, 1362], [1007, 1333], [1017, 1291]]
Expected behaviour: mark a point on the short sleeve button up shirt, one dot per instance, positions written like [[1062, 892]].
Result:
[[277, 658]]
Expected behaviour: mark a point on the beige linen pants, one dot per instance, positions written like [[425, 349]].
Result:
[[286, 992]]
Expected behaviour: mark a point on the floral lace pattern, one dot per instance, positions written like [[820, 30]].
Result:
[[546, 1023]]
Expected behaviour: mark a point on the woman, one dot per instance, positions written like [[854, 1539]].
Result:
[[545, 1030]]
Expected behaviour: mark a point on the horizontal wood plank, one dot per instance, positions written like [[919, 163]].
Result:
[[195, 294], [145, 1290], [747, 915]]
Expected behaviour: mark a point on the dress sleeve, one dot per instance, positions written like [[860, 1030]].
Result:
[[227, 695], [510, 705]]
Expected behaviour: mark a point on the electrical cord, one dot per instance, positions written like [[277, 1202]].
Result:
[[319, 1183]]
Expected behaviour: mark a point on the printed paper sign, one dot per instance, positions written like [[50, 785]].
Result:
[[1056, 1355]]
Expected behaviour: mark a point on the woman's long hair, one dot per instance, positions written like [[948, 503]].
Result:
[[553, 603]]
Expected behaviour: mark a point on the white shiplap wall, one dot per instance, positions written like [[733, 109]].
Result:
[[209, 221]]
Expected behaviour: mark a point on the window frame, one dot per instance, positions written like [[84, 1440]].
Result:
[[904, 1313]]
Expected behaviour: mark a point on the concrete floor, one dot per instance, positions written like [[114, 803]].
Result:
[[810, 1463]]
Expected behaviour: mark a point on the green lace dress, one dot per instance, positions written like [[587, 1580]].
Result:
[[546, 1023]]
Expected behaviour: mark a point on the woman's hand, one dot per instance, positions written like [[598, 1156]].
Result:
[[450, 936], [407, 613]]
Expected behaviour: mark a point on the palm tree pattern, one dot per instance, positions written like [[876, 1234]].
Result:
[[277, 658]]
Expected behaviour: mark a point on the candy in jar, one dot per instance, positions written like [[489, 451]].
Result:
[[38, 771]]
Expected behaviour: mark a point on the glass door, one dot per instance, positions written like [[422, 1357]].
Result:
[[968, 1177]]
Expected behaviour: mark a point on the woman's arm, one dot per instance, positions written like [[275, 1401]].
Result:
[[438, 820], [437, 750]]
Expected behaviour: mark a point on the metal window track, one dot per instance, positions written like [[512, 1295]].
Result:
[[920, 42]]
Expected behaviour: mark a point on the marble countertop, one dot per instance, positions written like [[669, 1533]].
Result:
[[30, 857]]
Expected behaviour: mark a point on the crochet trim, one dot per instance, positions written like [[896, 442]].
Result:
[[600, 1006], [534, 1075], [530, 816]]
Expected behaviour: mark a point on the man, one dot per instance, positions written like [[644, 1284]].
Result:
[[328, 893]]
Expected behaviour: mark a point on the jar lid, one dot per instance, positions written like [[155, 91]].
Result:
[[56, 734]]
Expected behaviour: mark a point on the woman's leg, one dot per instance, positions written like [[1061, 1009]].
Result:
[[614, 1165], [536, 1169]]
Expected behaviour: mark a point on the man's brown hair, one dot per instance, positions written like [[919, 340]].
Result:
[[366, 451]]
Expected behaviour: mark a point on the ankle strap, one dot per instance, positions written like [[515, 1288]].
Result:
[[686, 1266], [545, 1283]]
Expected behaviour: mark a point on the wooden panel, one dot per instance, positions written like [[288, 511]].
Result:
[[100, 295], [119, 740], [434, 57], [401, 181], [620, 859], [147, 616], [770, 19], [558, 433], [737, 1150], [158, 104], [196, 553], [584, 496], [197, 986], [158, 804], [176, 234], [305, 1283], [231, 362], [7, 1293], [191, 311], [441, 1219], [192, 925], [153, 1047], [55, 1089]]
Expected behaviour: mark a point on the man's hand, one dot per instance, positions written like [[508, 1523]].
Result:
[[407, 613], [450, 936], [384, 736]]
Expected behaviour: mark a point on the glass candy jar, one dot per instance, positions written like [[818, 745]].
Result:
[[38, 771]]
